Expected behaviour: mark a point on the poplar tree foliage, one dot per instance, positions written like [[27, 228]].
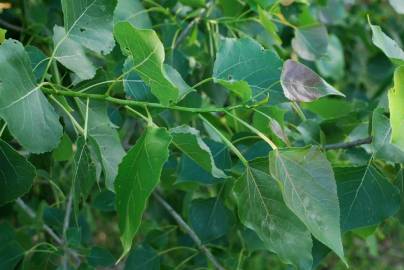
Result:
[[197, 134]]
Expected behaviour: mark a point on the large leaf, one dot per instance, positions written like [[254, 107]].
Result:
[[396, 106], [133, 12], [72, 55], [366, 197], [147, 53], [310, 42], [300, 83], [310, 191], [16, 174], [387, 45], [398, 5], [84, 173], [89, 22], [143, 257], [30, 117], [246, 68], [261, 208], [139, 173], [188, 140], [107, 143], [11, 251], [381, 143]]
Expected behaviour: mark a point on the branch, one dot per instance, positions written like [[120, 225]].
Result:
[[189, 231], [11, 26], [46, 228], [127, 102], [348, 144]]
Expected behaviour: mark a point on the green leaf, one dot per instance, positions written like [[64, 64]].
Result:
[[30, 117], [399, 183], [398, 5], [209, 218], [16, 174], [39, 61], [100, 257], [366, 197], [72, 55], [189, 141], [310, 42], [332, 64], [133, 85], [11, 251], [64, 151], [2, 35], [143, 258], [132, 11], [147, 53], [381, 133], [107, 143], [267, 21], [309, 190], [300, 83], [389, 47], [246, 68], [138, 175], [89, 23], [84, 174], [396, 106], [193, 3], [261, 208]]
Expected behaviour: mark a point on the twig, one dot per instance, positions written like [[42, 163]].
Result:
[[46, 228], [348, 144], [11, 26], [189, 231], [66, 223]]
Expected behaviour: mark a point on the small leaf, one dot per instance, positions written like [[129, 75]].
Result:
[[84, 174], [310, 42], [310, 191], [89, 23], [16, 174], [39, 61], [389, 47], [246, 68], [188, 140], [261, 208], [300, 83], [30, 117], [209, 218], [2, 35], [72, 55], [134, 86], [332, 64], [366, 197], [11, 252], [381, 143], [147, 53], [396, 106], [132, 11], [143, 258], [100, 257], [138, 175]]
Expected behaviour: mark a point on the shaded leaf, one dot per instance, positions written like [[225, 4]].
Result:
[[300, 83], [188, 140], [310, 191], [381, 133], [247, 61], [16, 174], [261, 208], [133, 85], [332, 63], [143, 258], [39, 61], [11, 251], [30, 117], [366, 196], [396, 107], [310, 42], [147, 53], [209, 218], [100, 257], [139, 173]]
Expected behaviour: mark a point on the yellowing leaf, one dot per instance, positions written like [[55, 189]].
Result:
[[396, 106]]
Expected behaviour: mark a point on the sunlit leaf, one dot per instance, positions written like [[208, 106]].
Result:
[[396, 106]]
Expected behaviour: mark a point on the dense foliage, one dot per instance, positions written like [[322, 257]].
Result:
[[193, 134]]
